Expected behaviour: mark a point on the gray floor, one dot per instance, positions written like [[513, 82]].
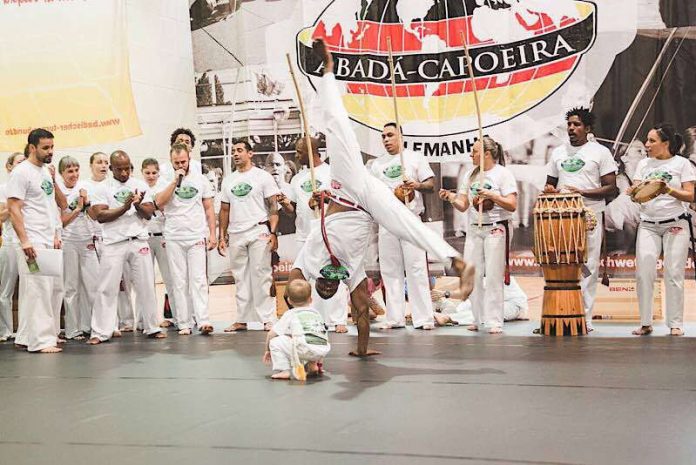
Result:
[[438, 398]]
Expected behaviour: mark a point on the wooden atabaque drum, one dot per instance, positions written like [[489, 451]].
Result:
[[560, 247]]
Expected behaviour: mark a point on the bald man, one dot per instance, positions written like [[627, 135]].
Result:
[[300, 333], [123, 205]]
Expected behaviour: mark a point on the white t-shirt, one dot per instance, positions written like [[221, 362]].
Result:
[[8, 233], [304, 321], [156, 223], [582, 167], [167, 170], [301, 192], [80, 228], [499, 180], [387, 169], [113, 194], [674, 171], [185, 215], [33, 185], [92, 186], [247, 193]]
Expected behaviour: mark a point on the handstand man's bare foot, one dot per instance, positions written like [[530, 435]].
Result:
[[281, 375], [50, 350], [236, 327], [341, 329], [466, 273], [367, 353]]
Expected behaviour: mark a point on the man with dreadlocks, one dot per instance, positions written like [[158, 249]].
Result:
[[587, 168], [335, 250]]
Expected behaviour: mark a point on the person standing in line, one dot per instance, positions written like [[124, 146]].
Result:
[[81, 266], [8, 258], [400, 261], [151, 174], [31, 200], [249, 213], [189, 232], [664, 227], [123, 205], [186, 137]]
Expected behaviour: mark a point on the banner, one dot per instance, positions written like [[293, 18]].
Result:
[[533, 60], [65, 68]]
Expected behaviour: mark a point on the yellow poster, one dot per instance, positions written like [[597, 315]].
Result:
[[64, 67]]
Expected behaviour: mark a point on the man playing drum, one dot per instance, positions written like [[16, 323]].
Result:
[[586, 168]]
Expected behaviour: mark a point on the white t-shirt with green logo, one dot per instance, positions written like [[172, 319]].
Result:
[[674, 171], [184, 213], [8, 233], [34, 186], [387, 169], [301, 192], [497, 179], [247, 193], [113, 193], [582, 167], [80, 228], [303, 321], [156, 223]]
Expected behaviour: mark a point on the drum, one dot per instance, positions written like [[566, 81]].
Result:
[[560, 247], [648, 190]]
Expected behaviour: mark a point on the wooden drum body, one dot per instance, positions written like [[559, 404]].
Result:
[[560, 247]]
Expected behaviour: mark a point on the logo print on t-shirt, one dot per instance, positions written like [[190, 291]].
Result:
[[573, 164], [241, 190], [47, 187], [392, 172], [659, 175], [73, 204], [186, 192], [122, 195], [307, 185], [476, 187]]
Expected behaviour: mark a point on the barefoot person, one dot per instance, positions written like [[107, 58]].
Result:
[[189, 232], [301, 330], [335, 252], [303, 202], [249, 213], [31, 201], [664, 227], [8, 258], [487, 244], [586, 168], [123, 205]]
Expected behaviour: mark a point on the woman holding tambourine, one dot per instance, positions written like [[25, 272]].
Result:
[[663, 186], [487, 243]]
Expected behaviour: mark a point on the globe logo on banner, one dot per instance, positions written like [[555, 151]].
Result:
[[522, 52]]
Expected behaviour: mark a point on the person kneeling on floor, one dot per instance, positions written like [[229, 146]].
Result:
[[299, 341]]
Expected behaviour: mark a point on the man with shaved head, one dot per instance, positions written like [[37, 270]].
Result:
[[123, 205], [300, 333]]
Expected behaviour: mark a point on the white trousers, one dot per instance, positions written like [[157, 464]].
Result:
[[485, 246], [281, 352], [187, 265], [40, 299], [397, 259], [335, 309], [159, 254], [672, 240], [125, 303], [80, 281], [133, 256], [589, 283], [8, 281], [250, 259]]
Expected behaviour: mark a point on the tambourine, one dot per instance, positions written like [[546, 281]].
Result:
[[404, 194], [648, 190]]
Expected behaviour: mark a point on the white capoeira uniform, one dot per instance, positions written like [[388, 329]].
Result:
[[125, 303], [354, 186], [80, 268], [8, 272], [250, 252], [335, 309], [125, 248], [155, 229], [664, 228], [485, 245], [185, 232], [40, 297], [582, 167], [304, 328], [515, 306], [400, 258]]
